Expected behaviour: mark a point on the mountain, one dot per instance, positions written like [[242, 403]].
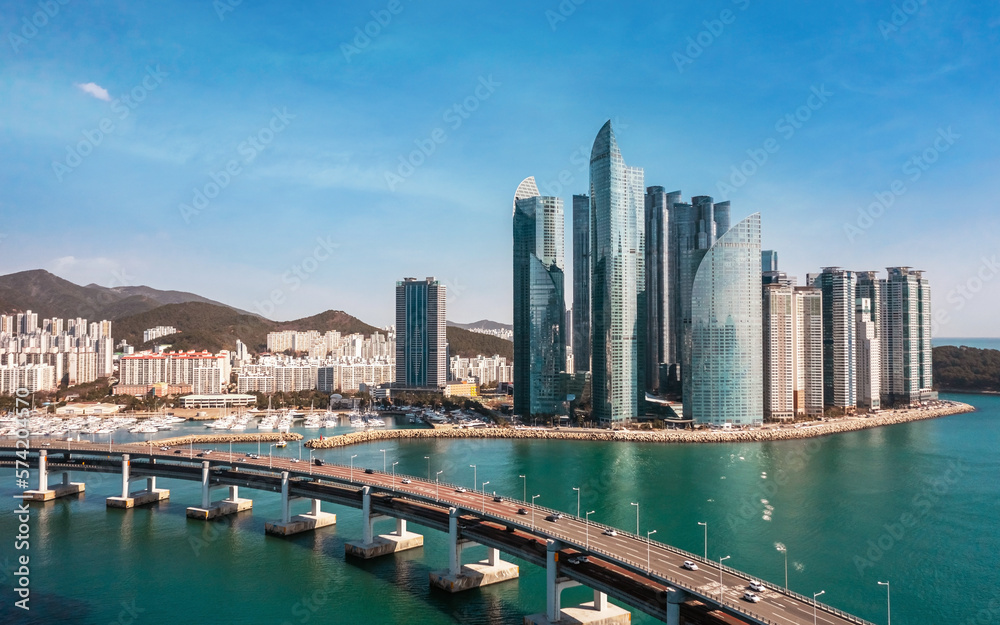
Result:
[[49, 295], [330, 320], [482, 324], [469, 344]]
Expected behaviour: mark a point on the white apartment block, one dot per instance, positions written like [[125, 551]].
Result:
[[869, 367], [170, 367], [486, 370], [33, 377], [779, 350], [158, 332], [807, 350]]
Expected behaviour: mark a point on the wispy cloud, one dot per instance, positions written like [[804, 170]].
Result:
[[95, 90]]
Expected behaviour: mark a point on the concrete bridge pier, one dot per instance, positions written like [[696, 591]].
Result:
[[674, 600], [151, 494], [290, 525], [43, 492], [214, 509], [596, 612], [461, 577], [372, 546]]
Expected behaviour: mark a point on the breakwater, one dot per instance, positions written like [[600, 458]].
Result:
[[770, 433], [198, 439]]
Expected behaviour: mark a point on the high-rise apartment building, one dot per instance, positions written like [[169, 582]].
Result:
[[421, 334], [618, 299], [581, 283], [906, 336], [869, 354], [659, 340], [839, 336], [779, 352], [539, 301], [808, 350], [724, 382]]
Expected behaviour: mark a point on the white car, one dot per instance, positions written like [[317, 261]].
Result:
[[752, 598], [610, 532], [691, 566], [164, 449], [461, 490], [406, 481], [756, 586]]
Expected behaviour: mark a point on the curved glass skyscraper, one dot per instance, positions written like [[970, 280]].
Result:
[[726, 372], [539, 301]]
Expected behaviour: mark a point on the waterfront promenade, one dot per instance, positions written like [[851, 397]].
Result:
[[756, 435]]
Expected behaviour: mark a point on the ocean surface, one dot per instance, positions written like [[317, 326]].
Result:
[[917, 504], [981, 343]]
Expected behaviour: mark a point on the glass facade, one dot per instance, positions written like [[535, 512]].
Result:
[[618, 300], [539, 300], [581, 283], [726, 370], [421, 334]]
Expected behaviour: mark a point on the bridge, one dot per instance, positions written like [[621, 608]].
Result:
[[645, 575]]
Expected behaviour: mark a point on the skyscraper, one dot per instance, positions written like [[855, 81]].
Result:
[[618, 298], [839, 336], [724, 382], [869, 367], [906, 335], [581, 283], [659, 344], [779, 351], [539, 301], [421, 334], [808, 351]]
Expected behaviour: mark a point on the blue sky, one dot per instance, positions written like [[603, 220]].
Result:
[[310, 117]]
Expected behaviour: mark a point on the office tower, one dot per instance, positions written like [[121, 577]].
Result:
[[808, 350], [906, 336], [869, 367], [778, 312], [581, 283], [659, 347], [539, 302], [421, 334], [839, 344], [768, 261], [724, 380], [618, 297]]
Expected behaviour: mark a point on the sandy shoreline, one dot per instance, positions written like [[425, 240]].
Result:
[[824, 428]]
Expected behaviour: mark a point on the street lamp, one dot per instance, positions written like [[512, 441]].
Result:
[[394, 474], [816, 594], [428, 459], [475, 480], [533, 497], [706, 539], [269, 448], [524, 487], [437, 485], [484, 496], [888, 600], [721, 587], [577, 501], [636, 517], [649, 564], [781, 547], [587, 523], [352, 466], [383, 460]]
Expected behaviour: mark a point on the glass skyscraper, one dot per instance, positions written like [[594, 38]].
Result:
[[581, 283], [539, 302], [618, 289], [659, 338], [421, 334], [724, 381]]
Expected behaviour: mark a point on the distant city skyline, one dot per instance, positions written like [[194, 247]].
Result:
[[311, 159]]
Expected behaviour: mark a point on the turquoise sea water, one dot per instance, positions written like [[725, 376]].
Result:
[[917, 504], [980, 343]]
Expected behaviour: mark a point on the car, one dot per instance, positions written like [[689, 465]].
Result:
[[369, 471], [752, 598], [691, 566], [552, 517], [178, 451], [574, 560], [461, 490], [293, 460], [318, 462], [199, 455], [405, 481], [46, 444], [610, 532], [756, 586], [497, 498], [522, 511], [164, 449], [206, 451], [249, 455]]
